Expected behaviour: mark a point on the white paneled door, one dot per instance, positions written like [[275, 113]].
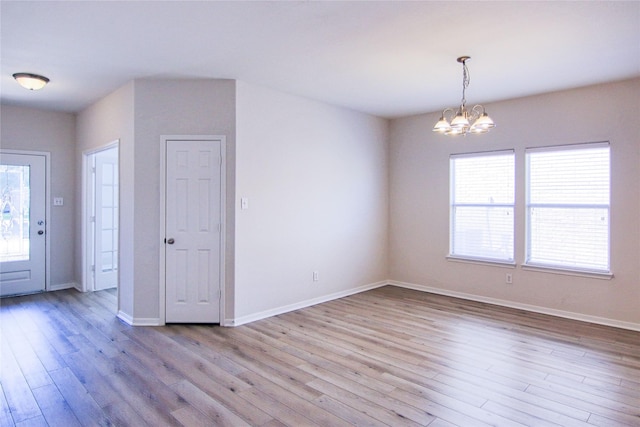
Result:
[[23, 228], [193, 213]]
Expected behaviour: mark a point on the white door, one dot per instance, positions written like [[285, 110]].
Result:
[[106, 219], [22, 210], [193, 231]]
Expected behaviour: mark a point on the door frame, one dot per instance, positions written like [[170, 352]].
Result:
[[47, 207], [88, 283], [164, 139]]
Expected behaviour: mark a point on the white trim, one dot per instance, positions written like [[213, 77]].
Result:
[[223, 228], [572, 146], [302, 304], [527, 307], [162, 268], [125, 317], [603, 275], [481, 261], [139, 321], [509, 156], [88, 282], [61, 286], [223, 219], [483, 153], [568, 270], [47, 207]]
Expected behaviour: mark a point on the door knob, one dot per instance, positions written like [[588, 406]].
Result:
[[171, 241], [40, 232]]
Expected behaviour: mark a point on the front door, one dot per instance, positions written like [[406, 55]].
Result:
[[23, 214], [193, 213]]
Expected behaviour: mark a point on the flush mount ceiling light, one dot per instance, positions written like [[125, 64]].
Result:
[[461, 118], [31, 81]]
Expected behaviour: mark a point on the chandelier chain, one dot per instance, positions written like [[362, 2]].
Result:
[[465, 81]]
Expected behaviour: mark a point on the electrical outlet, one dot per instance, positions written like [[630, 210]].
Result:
[[509, 278], [316, 276]]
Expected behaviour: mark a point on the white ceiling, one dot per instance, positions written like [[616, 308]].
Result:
[[387, 58]]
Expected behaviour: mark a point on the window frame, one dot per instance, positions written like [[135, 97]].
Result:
[[452, 209], [565, 268]]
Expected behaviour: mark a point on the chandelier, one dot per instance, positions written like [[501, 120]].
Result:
[[461, 119]]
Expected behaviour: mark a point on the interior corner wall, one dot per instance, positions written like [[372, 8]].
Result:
[[110, 119], [316, 181], [174, 107], [54, 132], [419, 181]]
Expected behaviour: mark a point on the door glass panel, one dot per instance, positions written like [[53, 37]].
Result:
[[15, 201], [107, 240], [107, 174], [107, 218], [107, 261], [107, 196]]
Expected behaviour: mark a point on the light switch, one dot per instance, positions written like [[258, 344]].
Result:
[[58, 201], [244, 203]]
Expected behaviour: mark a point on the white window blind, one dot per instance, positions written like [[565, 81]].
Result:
[[568, 207], [482, 206]]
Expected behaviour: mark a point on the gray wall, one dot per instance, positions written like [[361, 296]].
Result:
[[53, 132], [175, 107], [138, 114], [419, 169], [357, 198], [108, 120]]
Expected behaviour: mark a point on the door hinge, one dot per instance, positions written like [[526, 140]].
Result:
[[93, 219]]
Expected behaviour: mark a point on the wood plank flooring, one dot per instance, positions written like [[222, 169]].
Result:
[[389, 356]]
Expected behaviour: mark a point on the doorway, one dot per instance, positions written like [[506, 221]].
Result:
[[23, 218], [101, 218]]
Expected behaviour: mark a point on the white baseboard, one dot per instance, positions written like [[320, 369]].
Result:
[[61, 286], [139, 321], [302, 304], [527, 307], [125, 318]]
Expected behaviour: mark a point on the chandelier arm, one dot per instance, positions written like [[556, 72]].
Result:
[[448, 110], [476, 112]]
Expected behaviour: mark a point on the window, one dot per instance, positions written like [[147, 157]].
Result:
[[568, 207], [482, 206]]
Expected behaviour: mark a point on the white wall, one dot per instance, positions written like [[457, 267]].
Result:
[[53, 132], [316, 178], [108, 120], [419, 181]]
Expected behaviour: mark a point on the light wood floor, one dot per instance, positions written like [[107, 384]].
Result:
[[389, 356]]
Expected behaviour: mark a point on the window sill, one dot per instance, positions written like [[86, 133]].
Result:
[[568, 271], [482, 261]]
